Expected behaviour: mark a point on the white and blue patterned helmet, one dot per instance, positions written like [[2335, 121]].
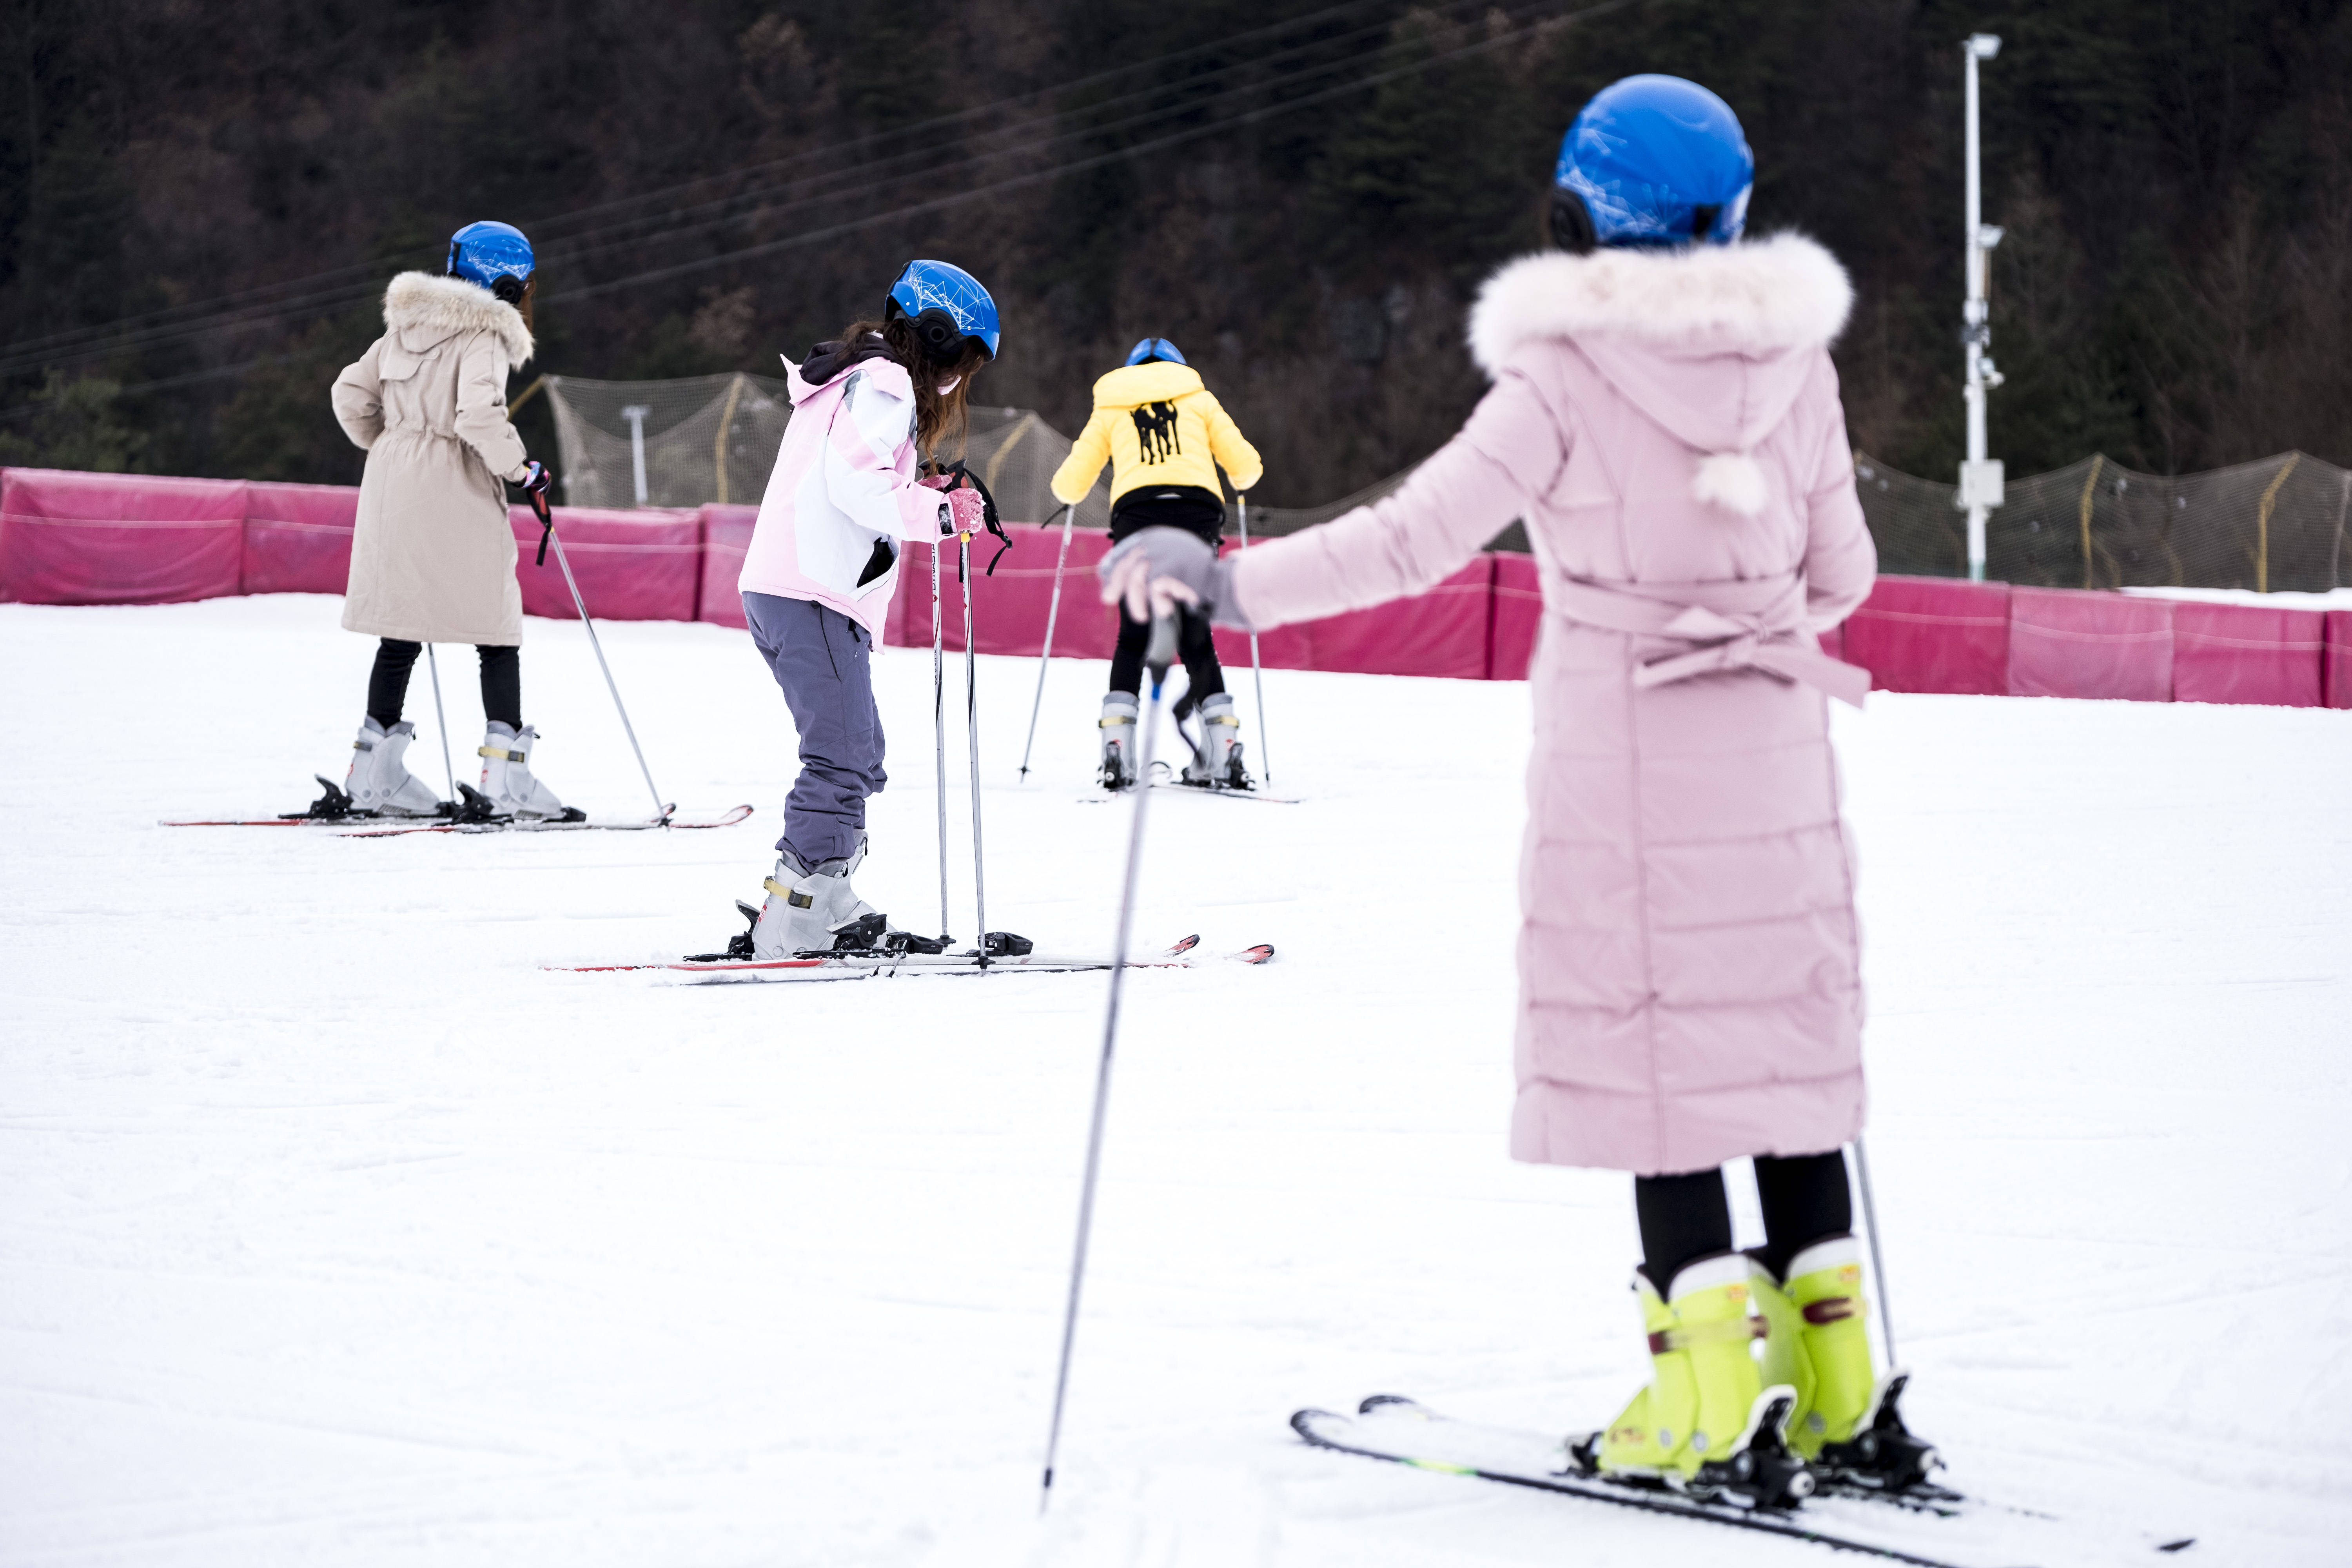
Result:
[[494, 255], [947, 305], [1652, 161]]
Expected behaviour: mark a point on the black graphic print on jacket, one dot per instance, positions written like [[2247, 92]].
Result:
[[1155, 431]]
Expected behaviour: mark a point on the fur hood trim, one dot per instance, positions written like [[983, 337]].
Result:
[[447, 306], [1784, 292]]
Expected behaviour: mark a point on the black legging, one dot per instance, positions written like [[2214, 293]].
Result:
[[1194, 645], [501, 682], [1688, 1217]]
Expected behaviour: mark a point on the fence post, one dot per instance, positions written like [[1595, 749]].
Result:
[[726, 422], [2098, 461], [2262, 524]]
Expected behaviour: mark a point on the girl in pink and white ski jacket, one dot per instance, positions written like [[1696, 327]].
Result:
[[848, 492]]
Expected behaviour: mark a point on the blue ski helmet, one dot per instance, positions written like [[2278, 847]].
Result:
[[1651, 160], [947, 305], [1151, 349], [494, 255]]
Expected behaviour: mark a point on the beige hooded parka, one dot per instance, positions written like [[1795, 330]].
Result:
[[434, 556]]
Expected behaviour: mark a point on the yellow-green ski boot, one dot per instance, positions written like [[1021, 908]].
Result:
[[1846, 1423], [1706, 1423]]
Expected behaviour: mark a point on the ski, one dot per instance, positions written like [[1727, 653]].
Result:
[[865, 965], [1221, 792], [473, 811], [1225, 791], [586, 825], [368, 825], [1930, 1527]]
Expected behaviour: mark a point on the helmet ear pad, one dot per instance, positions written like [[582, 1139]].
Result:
[[508, 288], [1572, 223], [940, 337]]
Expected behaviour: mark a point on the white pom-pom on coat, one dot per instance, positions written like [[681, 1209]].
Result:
[[1731, 481]]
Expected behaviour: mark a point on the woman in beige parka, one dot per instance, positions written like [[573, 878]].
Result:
[[433, 559]]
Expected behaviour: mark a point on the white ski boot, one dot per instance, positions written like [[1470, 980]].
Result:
[[1217, 756], [814, 910], [508, 783], [379, 781], [1119, 714]]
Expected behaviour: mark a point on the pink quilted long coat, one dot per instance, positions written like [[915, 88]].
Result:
[[1667, 423]]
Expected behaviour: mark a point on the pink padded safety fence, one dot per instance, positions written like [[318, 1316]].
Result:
[[726, 540], [2246, 653], [1513, 618], [1929, 634], [2066, 643], [641, 565], [1008, 610], [2335, 668], [297, 537], [72, 538], [114, 539], [1443, 632]]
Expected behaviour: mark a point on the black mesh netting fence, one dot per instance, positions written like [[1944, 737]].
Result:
[[2271, 525], [690, 442]]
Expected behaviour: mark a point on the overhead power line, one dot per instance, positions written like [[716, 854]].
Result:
[[554, 224], [1077, 165], [276, 307], [325, 301]]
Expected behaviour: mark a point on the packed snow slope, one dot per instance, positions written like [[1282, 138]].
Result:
[[334, 1229]]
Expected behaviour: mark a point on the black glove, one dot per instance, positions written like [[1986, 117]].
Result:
[[536, 478]]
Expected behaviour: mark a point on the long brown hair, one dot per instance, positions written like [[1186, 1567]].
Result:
[[938, 417]]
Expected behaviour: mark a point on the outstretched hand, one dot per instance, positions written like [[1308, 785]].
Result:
[[1155, 571], [1130, 580]]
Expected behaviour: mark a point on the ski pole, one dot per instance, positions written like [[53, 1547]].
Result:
[[971, 730], [441, 719], [1877, 1261], [1257, 675], [1158, 656], [547, 536], [939, 732], [1053, 610]]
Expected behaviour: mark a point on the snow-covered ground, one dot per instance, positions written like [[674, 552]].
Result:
[[335, 1230]]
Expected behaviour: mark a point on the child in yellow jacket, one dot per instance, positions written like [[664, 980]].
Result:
[[1165, 435]]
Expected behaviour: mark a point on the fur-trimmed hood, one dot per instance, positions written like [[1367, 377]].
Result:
[[1784, 292], [422, 310], [1714, 342]]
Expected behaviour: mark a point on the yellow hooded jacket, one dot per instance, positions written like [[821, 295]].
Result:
[[1158, 425]]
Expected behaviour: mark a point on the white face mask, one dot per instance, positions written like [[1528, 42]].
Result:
[[949, 385]]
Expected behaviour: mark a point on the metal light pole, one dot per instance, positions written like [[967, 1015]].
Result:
[[636, 412], [1983, 480]]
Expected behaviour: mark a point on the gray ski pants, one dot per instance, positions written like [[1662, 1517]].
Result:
[[822, 658]]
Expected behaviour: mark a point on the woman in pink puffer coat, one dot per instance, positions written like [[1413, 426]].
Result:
[[1664, 418]]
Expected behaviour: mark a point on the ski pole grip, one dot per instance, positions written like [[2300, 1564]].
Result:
[[1161, 651], [546, 523]]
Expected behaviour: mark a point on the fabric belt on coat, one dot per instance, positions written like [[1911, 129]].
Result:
[[1734, 625]]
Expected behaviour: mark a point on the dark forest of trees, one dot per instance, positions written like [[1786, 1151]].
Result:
[[199, 204]]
